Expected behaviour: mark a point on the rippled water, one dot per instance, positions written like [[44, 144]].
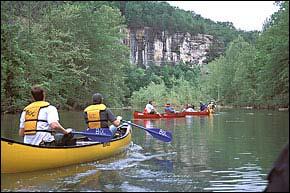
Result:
[[232, 150]]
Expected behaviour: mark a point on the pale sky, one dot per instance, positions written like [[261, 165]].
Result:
[[245, 15]]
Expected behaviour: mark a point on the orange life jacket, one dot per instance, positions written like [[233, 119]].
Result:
[[93, 114], [31, 116]]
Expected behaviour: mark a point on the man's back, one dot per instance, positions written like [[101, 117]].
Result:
[[149, 108], [49, 114]]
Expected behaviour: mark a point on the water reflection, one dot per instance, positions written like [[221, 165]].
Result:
[[148, 139], [163, 164], [247, 178], [134, 159], [189, 121], [47, 179], [149, 123]]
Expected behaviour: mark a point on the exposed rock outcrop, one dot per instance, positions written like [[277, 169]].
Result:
[[147, 47]]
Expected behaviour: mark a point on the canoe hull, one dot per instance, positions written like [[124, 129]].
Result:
[[140, 115], [20, 157], [172, 115], [198, 113]]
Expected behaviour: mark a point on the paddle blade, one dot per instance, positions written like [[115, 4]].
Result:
[[98, 134], [103, 132], [157, 133], [160, 134]]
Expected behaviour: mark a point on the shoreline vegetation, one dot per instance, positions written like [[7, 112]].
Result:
[[257, 107]]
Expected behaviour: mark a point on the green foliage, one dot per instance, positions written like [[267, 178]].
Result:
[[138, 77], [13, 64], [273, 57], [182, 92], [255, 74], [169, 73], [174, 84], [155, 92], [72, 49], [160, 16]]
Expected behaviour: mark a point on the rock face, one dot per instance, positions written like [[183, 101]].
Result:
[[147, 47]]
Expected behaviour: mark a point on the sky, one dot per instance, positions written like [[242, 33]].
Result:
[[245, 15]]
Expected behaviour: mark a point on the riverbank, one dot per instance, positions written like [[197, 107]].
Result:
[[269, 107]]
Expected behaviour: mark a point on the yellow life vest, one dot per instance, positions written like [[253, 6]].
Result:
[[31, 116], [93, 113]]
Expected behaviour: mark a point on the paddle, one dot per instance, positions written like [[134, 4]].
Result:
[[98, 134], [157, 133], [159, 114]]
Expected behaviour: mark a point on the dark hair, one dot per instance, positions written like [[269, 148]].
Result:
[[37, 93], [150, 102], [97, 98]]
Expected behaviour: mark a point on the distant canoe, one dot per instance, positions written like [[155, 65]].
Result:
[[172, 115], [20, 157], [140, 115], [283, 109], [198, 113]]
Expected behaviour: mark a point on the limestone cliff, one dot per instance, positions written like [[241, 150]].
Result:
[[147, 46]]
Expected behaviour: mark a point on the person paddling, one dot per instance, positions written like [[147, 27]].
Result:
[[188, 108], [169, 109], [38, 118], [149, 108], [97, 115], [202, 106]]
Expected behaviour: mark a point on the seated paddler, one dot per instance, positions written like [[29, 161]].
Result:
[[169, 109], [97, 115], [39, 119]]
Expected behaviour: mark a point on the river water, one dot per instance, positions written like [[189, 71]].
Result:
[[232, 150]]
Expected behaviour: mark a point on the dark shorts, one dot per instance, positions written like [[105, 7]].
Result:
[[47, 144], [60, 140]]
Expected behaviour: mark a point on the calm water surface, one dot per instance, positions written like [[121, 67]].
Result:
[[233, 150]]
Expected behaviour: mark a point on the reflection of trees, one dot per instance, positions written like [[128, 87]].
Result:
[[243, 138], [210, 122], [56, 179], [191, 146]]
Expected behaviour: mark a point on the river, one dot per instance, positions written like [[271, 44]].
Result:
[[232, 150]]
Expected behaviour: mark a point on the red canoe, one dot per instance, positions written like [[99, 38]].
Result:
[[172, 115], [196, 113], [140, 115]]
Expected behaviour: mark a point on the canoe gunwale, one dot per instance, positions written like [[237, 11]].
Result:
[[9, 141], [58, 156], [198, 113], [141, 115]]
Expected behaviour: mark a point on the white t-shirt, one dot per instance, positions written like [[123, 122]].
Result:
[[190, 110], [149, 108], [47, 113]]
